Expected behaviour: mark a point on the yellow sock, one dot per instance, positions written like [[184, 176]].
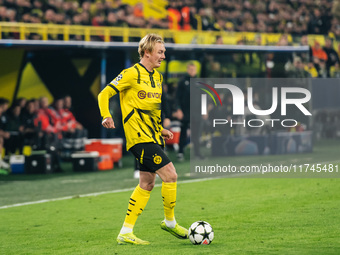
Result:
[[169, 190], [137, 203]]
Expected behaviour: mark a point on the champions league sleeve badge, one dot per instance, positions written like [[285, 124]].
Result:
[[119, 77]]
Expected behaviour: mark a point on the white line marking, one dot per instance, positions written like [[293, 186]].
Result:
[[72, 181], [95, 194], [128, 189]]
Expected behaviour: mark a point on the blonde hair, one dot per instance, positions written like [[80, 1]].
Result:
[[147, 43]]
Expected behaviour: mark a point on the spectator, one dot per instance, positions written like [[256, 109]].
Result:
[[67, 114], [51, 4], [174, 16], [219, 40], [183, 103], [332, 56], [21, 102], [335, 26], [220, 25], [30, 132], [319, 59], [37, 6], [281, 59], [42, 120], [298, 69], [15, 127], [294, 17], [132, 20], [318, 23], [112, 19], [4, 104], [138, 10], [49, 17], [23, 7], [85, 18], [3, 15], [11, 15], [26, 18], [59, 18], [4, 135], [207, 18], [77, 19], [68, 103], [35, 19], [80, 133], [49, 134], [67, 9], [306, 57]]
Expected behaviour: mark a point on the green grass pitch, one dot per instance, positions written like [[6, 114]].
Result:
[[248, 215]]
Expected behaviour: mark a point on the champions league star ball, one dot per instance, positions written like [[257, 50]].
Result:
[[200, 232]]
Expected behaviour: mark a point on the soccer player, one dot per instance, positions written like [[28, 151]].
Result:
[[140, 90]]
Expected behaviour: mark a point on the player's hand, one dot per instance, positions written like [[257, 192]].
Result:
[[108, 123], [167, 134]]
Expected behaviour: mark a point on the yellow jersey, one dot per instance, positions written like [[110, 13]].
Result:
[[140, 94]]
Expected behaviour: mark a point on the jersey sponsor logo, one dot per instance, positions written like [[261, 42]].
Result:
[[141, 94], [157, 159], [154, 95]]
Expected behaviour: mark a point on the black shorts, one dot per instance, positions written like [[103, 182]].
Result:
[[151, 156]]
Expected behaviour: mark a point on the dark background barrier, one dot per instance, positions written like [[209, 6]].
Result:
[[82, 70]]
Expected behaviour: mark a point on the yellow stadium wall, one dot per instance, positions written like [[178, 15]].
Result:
[[10, 63]]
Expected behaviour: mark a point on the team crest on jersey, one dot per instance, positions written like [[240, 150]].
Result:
[[119, 77], [157, 159], [158, 84]]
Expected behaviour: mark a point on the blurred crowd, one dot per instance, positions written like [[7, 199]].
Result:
[[40, 126], [318, 61], [296, 17]]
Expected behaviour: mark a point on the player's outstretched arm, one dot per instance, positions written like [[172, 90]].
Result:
[[103, 103], [108, 123]]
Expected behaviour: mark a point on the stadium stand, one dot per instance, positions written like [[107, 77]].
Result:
[[315, 24], [270, 16], [52, 128]]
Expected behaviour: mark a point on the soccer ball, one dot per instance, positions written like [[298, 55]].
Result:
[[200, 232]]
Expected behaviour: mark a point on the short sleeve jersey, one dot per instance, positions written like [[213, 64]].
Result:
[[140, 94]]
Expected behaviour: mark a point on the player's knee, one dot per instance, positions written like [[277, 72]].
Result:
[[150, 186], [147, 186], [171, 175]]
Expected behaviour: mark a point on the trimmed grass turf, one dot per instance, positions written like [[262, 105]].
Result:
[[24, 188], [249, 216]]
